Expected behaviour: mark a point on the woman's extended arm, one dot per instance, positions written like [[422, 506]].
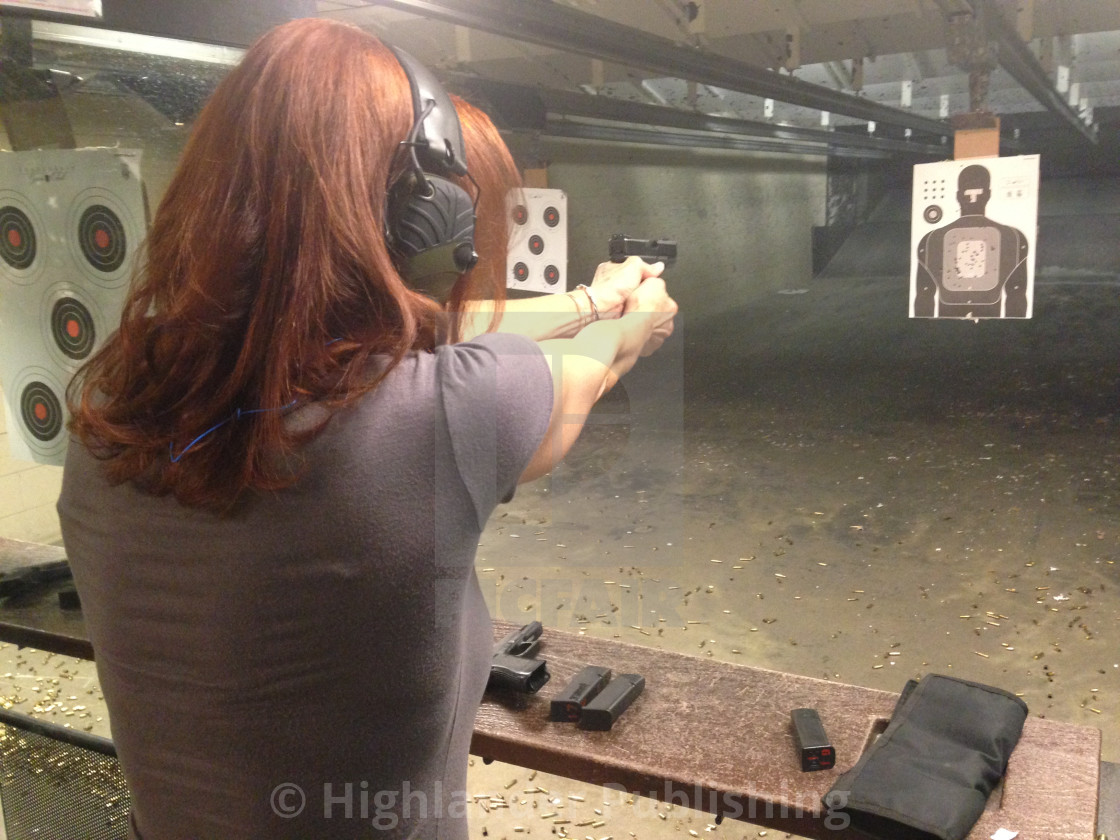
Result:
[[562, 316], [588, 365]]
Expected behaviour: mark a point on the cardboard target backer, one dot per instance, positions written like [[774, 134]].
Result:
[[70, 223], [974, 229], [538, 246]]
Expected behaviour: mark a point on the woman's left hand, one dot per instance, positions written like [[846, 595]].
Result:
[[614, 283]]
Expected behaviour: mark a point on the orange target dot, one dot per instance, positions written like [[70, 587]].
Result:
[[41, 411], [14, 239], [73, 328], [101, 239]]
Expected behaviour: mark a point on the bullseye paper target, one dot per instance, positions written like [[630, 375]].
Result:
[[70, 224], [36, 407], [103, 235], [538, 246], [20, 231], [18, 247], [72, 323]]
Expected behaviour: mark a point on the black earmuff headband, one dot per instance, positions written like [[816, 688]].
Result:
[[439, 142], [430, 224]]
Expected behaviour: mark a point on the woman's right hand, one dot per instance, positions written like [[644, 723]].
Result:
[[651, 298]]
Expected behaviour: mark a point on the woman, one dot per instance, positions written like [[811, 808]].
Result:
[[280, 469]]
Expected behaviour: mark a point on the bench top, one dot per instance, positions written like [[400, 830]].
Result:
[[707, 734], [35, 619], [717, 736]]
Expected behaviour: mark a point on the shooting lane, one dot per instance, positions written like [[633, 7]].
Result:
[[806, 480]]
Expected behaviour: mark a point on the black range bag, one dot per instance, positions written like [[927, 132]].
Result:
[[928, 776]]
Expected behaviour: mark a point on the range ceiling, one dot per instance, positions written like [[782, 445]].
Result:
[[765, 61]]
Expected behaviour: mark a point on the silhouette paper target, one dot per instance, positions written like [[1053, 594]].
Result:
[[37, 408], [102, 236], [538, 246], [20, 230], [973, 234]]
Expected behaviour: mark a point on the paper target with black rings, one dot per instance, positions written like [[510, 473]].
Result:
[[103, 235], [538, 246], [73, 324], [22, 238], [36, 406]]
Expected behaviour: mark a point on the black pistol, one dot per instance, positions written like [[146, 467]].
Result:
[[622, 246], [29, 578], [513, 665]]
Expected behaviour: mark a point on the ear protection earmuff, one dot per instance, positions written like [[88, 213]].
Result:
[[430, 219]]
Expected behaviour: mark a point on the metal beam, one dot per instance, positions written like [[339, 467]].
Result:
[[532, 108], [1016, 58], [568, 29], [694, 140]]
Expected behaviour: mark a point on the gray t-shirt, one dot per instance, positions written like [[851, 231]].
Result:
[[325, 650]]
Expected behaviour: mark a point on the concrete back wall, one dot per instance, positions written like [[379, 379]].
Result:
[[743, 221]]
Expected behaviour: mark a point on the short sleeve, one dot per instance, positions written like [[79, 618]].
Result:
[[496, 393]]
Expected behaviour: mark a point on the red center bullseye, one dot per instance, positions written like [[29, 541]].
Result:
[[41, 412], [73, 328], [14, 239], [101, 239]]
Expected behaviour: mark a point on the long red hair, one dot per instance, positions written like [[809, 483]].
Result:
[[495, 172], [266, 279]]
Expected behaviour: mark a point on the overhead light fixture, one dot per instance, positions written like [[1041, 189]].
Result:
[[109, 39]]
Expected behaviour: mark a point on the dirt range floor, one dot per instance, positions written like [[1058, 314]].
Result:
[[818, 484]]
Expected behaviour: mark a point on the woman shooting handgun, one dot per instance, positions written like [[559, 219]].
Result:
[[282, 461]]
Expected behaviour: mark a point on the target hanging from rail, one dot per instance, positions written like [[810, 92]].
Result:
[[973, 232], [70, 224], [538, 245]]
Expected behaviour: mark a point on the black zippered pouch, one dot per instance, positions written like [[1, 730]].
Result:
[[929, 775]]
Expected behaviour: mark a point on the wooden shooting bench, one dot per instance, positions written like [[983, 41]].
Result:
[[36, 620], [711, 735], [716, 736]]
